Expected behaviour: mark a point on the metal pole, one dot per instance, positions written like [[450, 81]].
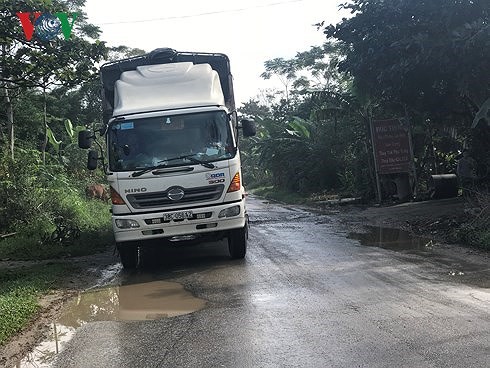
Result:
[[412, 159], [413, 177], [378, 184]]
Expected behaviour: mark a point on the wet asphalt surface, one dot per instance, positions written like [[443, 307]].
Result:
[[307, 295]]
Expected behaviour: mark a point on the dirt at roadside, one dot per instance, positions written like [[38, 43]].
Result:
[[420, 218], [434, 221], [442, 220], [86, 274]]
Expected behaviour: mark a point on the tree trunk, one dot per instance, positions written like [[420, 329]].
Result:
[[10, 121], [9, 111], [45, 122]]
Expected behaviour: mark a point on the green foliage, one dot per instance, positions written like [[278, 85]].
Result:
[[54, 94], [425, 60], [30, 247], [430, 55], [27, 110], [18, 179], [476, 231], [123, 52], [19, 289], [59, 61], [316, 139], [16, 309], [46, 208], [81, 105], [299, 128], [52, 139], [70, 131], [53, 91]]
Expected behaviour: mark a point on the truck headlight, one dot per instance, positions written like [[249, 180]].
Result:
[[126, 224], [229, 212]]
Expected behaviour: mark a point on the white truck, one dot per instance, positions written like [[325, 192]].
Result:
[[171, 133]]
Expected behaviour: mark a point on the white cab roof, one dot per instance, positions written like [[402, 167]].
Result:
[[167, 86]]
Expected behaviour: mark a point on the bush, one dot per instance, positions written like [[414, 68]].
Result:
[[45, 207], [17, 200], [476, 231]]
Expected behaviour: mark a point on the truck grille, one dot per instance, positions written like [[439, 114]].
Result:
[[191, 195]]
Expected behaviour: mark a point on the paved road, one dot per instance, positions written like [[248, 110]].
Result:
[[306, 296]]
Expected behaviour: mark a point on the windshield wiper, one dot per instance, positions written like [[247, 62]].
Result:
[[148, 169], [163, 164], [196, 161]]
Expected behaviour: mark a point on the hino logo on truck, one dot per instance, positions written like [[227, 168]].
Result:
[[135, 190], [175, 194]]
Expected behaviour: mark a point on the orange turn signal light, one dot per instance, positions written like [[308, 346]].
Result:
[[235, 183], [115, 197]]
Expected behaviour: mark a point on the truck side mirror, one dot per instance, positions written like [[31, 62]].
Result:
[[85, 138], [248, 127], [93, 157]]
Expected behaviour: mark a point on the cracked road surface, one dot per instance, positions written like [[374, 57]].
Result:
[[306, 295]]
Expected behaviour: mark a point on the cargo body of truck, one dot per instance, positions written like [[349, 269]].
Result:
[[171, 135]]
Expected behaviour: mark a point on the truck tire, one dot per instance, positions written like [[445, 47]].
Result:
[[237, 242], [128, 252]]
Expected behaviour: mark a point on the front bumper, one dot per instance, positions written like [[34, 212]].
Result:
[[148, 230]]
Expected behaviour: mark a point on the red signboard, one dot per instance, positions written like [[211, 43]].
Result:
[[391, 146]]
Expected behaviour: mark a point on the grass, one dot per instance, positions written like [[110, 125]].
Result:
[[19, 292], [475, 236], [46, 210], [476, 230], [24, 247], [20, 288], [94, 221], [485, 239]]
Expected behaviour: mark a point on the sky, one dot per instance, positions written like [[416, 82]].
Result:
[[249, 32]]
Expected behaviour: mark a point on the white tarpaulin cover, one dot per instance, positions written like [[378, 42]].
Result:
[[167, 86]]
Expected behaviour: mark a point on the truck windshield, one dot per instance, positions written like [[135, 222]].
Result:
[[138, 143]]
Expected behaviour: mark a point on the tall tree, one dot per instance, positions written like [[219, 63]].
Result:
[[316, 140], [430, 56], [36, 63], [427, 60]]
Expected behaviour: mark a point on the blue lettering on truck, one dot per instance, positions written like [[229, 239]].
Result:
[[215, 178]]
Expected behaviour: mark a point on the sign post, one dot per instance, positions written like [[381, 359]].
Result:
[[376, 171], [391, 148]]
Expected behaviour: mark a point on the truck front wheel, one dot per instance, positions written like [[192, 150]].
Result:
[[128, 252], [237, 242]]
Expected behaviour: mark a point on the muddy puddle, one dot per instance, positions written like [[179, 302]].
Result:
[[457, 269], [394, 239], [132, 302]]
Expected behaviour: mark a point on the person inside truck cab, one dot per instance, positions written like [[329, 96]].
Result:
[[131, 152]]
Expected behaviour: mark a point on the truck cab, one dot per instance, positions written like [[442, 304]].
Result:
[[171, 135]]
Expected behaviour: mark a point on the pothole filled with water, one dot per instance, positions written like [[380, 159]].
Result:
[[394, 239], [132, 302], [452, 265]]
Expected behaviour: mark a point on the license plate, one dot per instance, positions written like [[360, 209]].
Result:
[[177, 215]]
